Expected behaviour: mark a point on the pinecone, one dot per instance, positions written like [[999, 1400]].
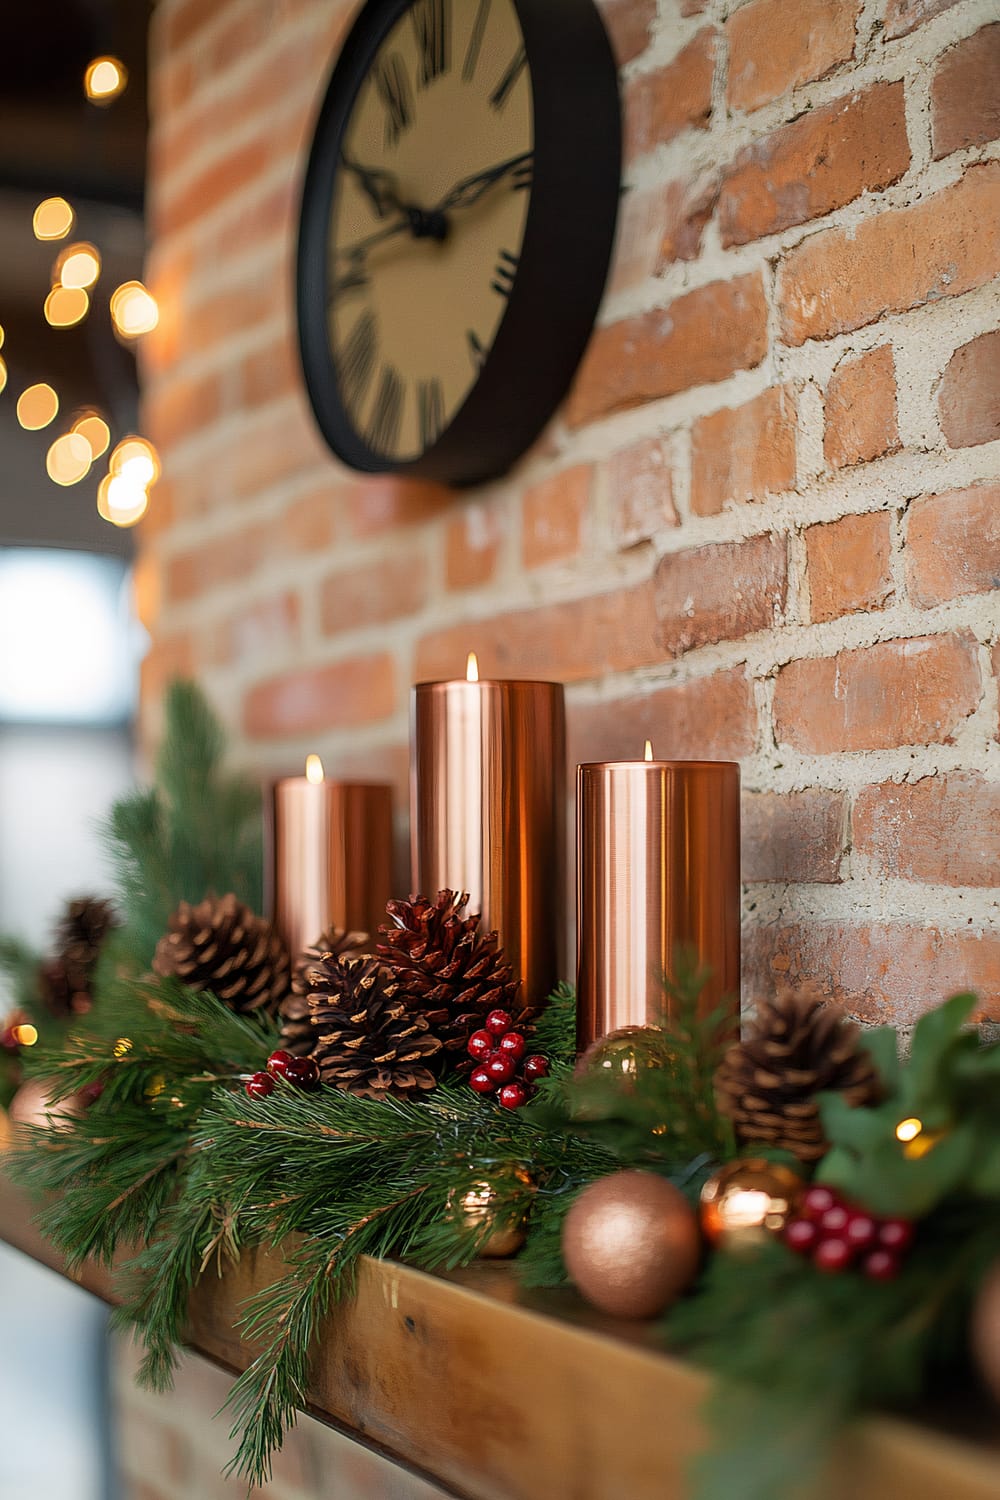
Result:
[[336, 942], [448, 971], [797, 1046], [66, 978], [219, 945], [364, 1040]]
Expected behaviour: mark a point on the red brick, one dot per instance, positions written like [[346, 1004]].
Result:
[[687, 208], [554, 512], [564, 642], [312, 700], [943, 830], [175, 411], [169, 656], [307, 524], [913, 692], [258, 630], [271, 373], [659, 105], [816, 164], [709, 718], [629, 23], [953, 545], [969, 394], [861, 410], [721, 592], [904, 16], [841, 279], [383, 502], [794, 836], [965, 94], [472, 546], [889, 973], [743, 453], [771, 52], [640, 492], [995, 663], [699, 339], [203, 193], [660, 225], [385, 590], [849, 565], [221, 560], [271, 445]]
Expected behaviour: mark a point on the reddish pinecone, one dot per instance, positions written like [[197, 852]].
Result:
[[221, 946], [67, 977], [447, 970], [363, 1038], [797, 1046]]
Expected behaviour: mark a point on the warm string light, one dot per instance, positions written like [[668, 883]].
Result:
[[37, 406], [92, 426], [25, 1035], [65, 306], [120, 501], [314, 770], [909, 1129], [133, 310], [472, 668], [69, 459], [136, 460], [105, 79], [77, 266], [3, 373], [53, 219]]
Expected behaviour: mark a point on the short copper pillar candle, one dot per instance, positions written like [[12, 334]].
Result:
[[329, 855], [658, 866], [488, 811]]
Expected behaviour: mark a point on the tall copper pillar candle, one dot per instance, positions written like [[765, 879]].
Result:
[[658, 865], [488, 809], [330, 855]]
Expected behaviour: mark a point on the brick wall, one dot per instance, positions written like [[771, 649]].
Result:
[[765, 524]]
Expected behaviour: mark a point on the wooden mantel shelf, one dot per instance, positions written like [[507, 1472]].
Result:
[[503, 1395]]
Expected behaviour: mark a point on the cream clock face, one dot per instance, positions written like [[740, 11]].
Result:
[[427, 218]]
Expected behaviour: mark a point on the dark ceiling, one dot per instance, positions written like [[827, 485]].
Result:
[[54, 141]]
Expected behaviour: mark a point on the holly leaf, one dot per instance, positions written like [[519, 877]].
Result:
[[935, 1033], [882, 1044], [854, 1127]]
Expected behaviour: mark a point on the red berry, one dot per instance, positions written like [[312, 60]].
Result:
[[278, 1062], [535, 1066], [513, 1044], [835, 1221], [480, 1045], [259, 1085], [513, 1095], [302, 1072], [8, 1040], [497, 1022], [481, 1082], [500, 1067], [881, 1265], [895, 1235], [861, 1230], [801, 1236], [832, 1255], [817, 1202]]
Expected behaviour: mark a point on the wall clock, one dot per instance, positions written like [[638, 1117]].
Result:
[[458, 215]]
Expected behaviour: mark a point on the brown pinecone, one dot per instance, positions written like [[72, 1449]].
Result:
[[448, 971], [221, 946], [336, 942], [66, 978], [363, 1038], [797, 1046]]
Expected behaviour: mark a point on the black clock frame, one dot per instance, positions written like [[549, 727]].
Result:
[[565, 253]]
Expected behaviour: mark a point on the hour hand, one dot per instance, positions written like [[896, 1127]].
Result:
[[471, 189], [378, 184]]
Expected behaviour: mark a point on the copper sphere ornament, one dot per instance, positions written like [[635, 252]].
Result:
[[625, 1053], [748, 1201], [630, 1244], [485, 1206], [985, 1331]]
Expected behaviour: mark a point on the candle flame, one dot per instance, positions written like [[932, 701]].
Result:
[[649, 750], [314, 770], [472, 668]]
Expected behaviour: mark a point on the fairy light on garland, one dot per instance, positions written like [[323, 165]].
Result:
[[909, 1129]]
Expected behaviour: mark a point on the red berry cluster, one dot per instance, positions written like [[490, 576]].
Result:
[[836, 1236], [499, 1052], [301, 1071]]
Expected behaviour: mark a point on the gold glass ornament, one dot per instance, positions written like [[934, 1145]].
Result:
[[483, 1204], [626, 1053], [745, 1202], [631, 1244]]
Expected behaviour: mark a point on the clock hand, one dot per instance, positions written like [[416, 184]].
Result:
[[376, 184], [469, 191]]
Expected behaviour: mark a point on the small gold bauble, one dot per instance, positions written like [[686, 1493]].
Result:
[[32, 1105], [985, 1331], [481, 1205], [630, 1243], [625, 1053], [745, 1202]]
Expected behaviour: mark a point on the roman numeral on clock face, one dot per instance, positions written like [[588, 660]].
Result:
[[430, 22], [504, 273], [476, 40], [393, 87], [358, 360], [430, 410], [476, 350], [383, 427], [505, 87]]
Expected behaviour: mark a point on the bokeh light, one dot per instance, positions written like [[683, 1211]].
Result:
[[79, 265], [66, 306], [37, 407], [3, 373], [2, 335], [121, 501], [53, 219], [136, 460], [69, 459], [105, 79], [92, 426], [133, 310]]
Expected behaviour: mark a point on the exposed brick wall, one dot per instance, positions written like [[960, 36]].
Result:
[[764, 524]]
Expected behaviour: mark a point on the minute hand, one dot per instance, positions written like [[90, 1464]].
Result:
[[471, 189]]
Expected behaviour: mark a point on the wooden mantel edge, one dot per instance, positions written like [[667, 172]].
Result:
[[503, 1397]]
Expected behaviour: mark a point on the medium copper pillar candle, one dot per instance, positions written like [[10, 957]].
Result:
[[488, 808], [330, 855], [658, 865]]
